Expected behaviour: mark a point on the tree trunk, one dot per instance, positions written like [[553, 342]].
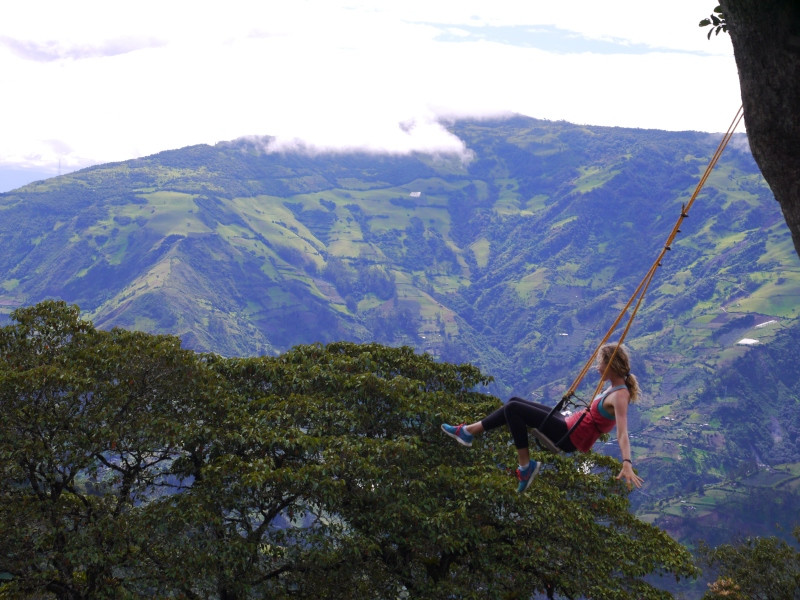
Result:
[[766, 45]]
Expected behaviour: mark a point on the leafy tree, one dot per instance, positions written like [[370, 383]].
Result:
[[717, 22], [755, 569], [91, 422], [135, 468]]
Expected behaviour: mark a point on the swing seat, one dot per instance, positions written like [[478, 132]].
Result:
[[545, 442]]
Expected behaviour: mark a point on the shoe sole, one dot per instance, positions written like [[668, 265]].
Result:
[[458, 439], [532, 477]]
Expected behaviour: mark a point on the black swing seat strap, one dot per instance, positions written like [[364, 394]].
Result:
[[544, 441]]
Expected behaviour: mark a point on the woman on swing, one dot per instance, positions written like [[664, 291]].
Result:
[[608, 409]]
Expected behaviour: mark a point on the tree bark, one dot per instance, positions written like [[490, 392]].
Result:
[[766, 45]]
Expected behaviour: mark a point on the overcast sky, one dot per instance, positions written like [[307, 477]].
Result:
[[87, 82]]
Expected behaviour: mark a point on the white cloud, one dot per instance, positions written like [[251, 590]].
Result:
[[89, 81]]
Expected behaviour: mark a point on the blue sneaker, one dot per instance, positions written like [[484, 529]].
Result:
[[527, 474], [459, 433]]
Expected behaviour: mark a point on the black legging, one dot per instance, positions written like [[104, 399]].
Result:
[[520, 414]]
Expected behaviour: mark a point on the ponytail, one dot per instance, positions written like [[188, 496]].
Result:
[[633, 386]]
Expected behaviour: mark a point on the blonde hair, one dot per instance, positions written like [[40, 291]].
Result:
[[620, 364]]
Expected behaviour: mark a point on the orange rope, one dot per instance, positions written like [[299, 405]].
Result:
[[648, 278]]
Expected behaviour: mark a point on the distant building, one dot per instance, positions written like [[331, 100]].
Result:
[[747, 342]]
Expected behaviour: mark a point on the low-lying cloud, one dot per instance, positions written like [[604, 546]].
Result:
[[114, 82]]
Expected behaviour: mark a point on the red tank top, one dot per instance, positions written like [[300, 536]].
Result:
[[595, 422]]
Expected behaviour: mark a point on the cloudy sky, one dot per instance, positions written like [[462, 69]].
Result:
[[87, 82]]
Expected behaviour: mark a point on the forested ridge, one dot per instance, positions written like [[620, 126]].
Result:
[[540, 229]]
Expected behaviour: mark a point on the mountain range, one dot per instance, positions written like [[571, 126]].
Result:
[[515, 255]]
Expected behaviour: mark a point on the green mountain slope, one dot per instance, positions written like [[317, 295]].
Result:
[[516, 258]]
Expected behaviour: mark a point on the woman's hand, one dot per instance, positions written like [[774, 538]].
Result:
[[631, 478]]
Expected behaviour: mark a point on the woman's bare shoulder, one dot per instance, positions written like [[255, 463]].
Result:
[[621, 394]]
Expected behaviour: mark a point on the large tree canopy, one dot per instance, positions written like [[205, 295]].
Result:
[[134, 468], [754, 568], [766, 44]]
